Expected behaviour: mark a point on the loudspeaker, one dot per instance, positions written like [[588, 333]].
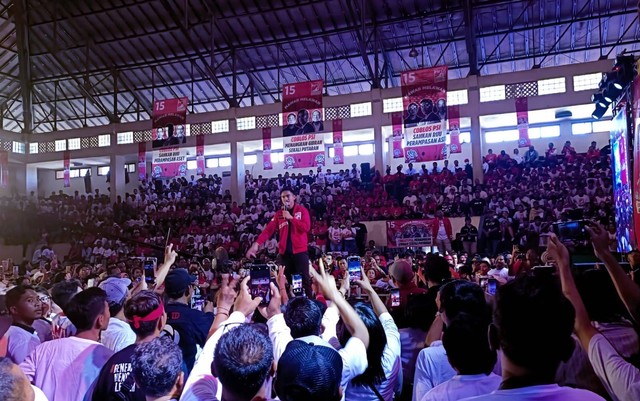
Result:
[[365, 172]]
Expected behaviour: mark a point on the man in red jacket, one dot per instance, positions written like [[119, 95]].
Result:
[[442, 233], [293, 224]]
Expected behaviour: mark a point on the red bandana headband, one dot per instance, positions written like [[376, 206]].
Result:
[[155, 314]]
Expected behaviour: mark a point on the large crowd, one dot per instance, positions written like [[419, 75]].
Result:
[[154, 299]]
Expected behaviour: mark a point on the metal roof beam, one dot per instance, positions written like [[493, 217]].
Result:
[[22, 42], [470, 37]]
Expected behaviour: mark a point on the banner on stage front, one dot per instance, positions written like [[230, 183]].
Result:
[[409, 233], [302, 111], [424, 98], [306, 150], [169, 163], [169, 122]]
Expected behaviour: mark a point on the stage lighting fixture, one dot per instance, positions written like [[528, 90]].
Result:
[[599, 112], [598, 98]]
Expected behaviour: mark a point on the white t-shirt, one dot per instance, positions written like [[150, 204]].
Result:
[[118, 335], [504, 273], [20, 343], [432, 368], [391, 365], [619, 377], [411, 343], [39, 395], [442, 232], [463, 386], [65, 369], [548, 392]]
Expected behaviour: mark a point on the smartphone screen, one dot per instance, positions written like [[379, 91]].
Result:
[[296, 284], [149, 271], [492, 285], [483, 282], [197, 304], [353, 267], [395, 297], [259, 282]]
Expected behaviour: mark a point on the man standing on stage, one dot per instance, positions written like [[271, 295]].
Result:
[[293, 224]]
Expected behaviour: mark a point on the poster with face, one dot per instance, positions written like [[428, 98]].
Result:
[[302, 108], [424, 94], [169, 121], [169, 163], [522, 113]]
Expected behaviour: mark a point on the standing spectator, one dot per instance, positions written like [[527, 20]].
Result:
[[401, 273], [192, 325], [118, 335], [349, 239], [410, 171], [335, 237], [442, 233], [361, 234], [14, 384], [469, 237], [491, 233], [66, 368], [468, 169], [25, 307], [157, 369]]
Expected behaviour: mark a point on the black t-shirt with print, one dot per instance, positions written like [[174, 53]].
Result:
[[115, 382]]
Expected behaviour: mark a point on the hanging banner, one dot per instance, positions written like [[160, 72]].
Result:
[[454, 129], [302, 111], [424, 97], [169, 163], [142, 161], [169, 122], [522, 112], [635, 110], [338, 149], [67, 170], [200, 164], [409, 233], [396, 126], [266, 149], [4, 169], [304, 151]]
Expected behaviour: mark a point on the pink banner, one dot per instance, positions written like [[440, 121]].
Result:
[[67, 171], [396, 126], [522, 112], [169, 121], [302, 108], [200, 155], [303, 151], [169, 163], [142, 161], [4, 169], [338, 149], [409, 233], [454, 129], [266, 149]]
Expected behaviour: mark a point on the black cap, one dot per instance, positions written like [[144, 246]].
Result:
[[178, 280]]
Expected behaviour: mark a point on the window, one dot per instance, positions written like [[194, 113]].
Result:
[[61, 145], [351, 150], [103, 170], [501, 136], [586, 81], [84, 171], [33, 148], [550, 131], [365, 149], [392, 105], [104, 140], [245, 123], [277, 157], [59, 174], [491, 93], [250, 159], [130, 167], [457, 97], [361, 109], [602, 126], [74, 173], [192, 164], [219, 126], [465, 137], [550, 86], [580, 128], [224, 161], [211, 163], [74, 143], [125, 137], [18, 147]]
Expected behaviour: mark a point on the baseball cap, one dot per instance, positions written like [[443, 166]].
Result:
[[178, 280], [308, 372], [116, 288]]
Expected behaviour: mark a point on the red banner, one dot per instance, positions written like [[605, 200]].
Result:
[[302, 111], [396, 126], [424, 97], [67, 170], [169, 122], [200, 155], [142, 161], [454, 129], [522, 112], [4, 169], [409, 233], [338, 155], [636, 159], [266, 149]]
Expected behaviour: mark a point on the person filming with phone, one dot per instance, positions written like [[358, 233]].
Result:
[[293, 224]]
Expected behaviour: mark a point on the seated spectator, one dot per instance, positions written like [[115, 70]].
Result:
[[157, 369], [551, 152], [14, 385], [516, 157], [491, 158], [25, 307], [467, 345], [118, 335], [531, 156], [569, 152], [593, 153], [65, 369]]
